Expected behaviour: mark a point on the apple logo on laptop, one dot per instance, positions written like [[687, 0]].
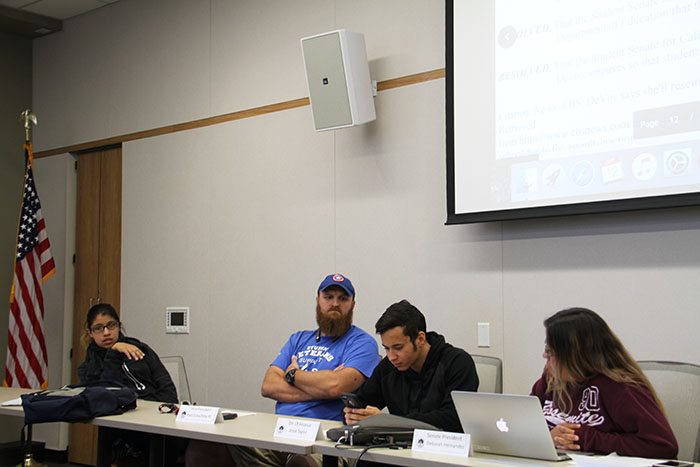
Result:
[[502, 425]]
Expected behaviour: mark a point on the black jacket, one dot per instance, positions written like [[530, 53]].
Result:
[[148, 377], [425, 396]]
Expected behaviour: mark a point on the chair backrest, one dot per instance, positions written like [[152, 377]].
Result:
[[490, 371], [678, 387], [176, 367]]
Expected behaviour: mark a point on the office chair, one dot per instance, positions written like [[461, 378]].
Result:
[[678, 387], [490, 371], [176, 367]]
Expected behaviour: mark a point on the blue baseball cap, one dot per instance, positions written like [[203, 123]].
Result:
[[340, 281]]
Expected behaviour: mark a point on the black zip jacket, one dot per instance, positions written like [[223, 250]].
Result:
[[425, 396], [148, 377]]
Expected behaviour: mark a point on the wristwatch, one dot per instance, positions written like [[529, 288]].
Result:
[[289, 376]]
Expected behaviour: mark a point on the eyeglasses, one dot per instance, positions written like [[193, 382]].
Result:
[[112, 325], [169, 407]]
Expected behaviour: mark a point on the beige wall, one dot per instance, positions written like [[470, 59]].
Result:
[[240, 221]]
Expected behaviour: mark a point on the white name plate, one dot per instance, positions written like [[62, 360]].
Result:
[[441, 442], [199, 414], [297, 429]]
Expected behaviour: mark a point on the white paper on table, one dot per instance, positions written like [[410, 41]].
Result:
[[611, 460], [12, 403]]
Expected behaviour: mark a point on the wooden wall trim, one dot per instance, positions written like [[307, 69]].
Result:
[[248, 113]]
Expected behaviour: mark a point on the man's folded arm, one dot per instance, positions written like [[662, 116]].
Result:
[[275, 387], [328, 384]]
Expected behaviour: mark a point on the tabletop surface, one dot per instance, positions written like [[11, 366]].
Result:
[[257, 430]]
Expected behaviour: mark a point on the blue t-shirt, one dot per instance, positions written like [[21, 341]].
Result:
[[354, 349]]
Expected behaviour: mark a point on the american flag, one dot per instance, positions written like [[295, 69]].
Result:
[[27, 364]]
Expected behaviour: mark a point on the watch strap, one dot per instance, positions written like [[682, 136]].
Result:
[[289, 376]]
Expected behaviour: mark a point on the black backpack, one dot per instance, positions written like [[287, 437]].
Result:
[[77, 402]]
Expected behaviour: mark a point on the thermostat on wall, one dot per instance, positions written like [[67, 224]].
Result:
[[177, 320]]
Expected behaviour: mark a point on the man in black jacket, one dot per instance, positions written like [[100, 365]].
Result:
[[417, 375]]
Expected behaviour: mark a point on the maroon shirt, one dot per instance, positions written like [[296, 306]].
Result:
[[614, 417]]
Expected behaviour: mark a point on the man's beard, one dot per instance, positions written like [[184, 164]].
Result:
[[334, 325]]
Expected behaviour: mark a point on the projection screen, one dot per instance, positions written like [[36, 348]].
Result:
[[559, 108]]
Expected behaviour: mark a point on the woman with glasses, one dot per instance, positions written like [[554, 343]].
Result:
[[111, 356], [594, 395]]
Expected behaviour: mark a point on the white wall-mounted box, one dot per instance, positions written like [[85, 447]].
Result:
[[337, 75]]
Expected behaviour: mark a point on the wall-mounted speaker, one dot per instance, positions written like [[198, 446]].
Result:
[[337, 74]]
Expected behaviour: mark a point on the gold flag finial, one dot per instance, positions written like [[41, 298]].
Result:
[[25, 118]]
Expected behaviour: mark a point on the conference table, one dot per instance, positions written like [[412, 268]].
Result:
[[257, 430]]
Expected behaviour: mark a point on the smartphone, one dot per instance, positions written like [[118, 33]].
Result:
[[673, 464], [351, 400]]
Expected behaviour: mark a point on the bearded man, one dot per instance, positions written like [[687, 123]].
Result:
[[314, 367]]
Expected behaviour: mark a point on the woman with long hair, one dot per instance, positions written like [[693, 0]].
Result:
[[112, 356], [594, 395]]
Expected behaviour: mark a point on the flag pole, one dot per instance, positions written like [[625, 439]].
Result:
[[26, 118]]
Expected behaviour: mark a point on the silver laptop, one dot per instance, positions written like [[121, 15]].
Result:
[[506, 424]]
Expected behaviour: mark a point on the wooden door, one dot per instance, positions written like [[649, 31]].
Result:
[[97, 266]]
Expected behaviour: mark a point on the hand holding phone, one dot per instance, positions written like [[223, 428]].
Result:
[[351, 400]]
